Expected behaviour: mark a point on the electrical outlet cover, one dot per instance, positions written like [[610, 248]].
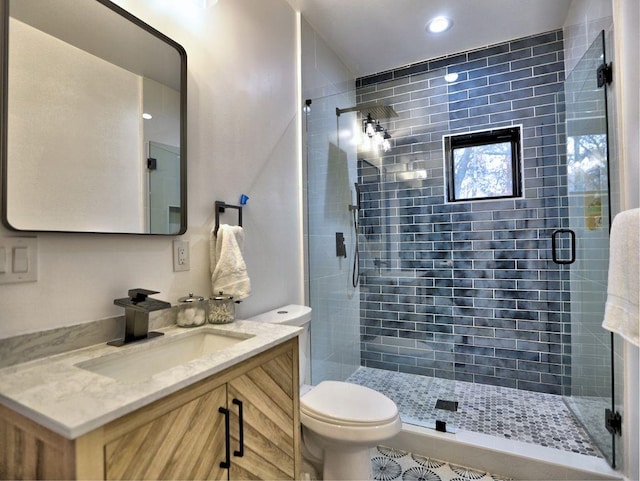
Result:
[[180, 255]]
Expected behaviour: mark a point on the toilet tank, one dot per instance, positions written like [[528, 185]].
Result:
[[293, 315]]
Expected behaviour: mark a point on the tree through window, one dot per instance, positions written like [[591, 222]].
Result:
[[483, 165]]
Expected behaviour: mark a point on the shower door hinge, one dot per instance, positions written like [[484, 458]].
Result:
[[605, 74], [613, 422]]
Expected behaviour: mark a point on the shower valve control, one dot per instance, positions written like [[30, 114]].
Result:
[[341, 249]]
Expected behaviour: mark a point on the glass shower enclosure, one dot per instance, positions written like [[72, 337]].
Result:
[[592, 372], [415, 307], [331, 173], [344, 246]]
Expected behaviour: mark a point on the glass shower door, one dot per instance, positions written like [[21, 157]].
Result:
[[407, 268], [331, 173], [589, 214], [358, 332]]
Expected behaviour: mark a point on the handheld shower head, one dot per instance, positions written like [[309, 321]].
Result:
[[357, 205], [355, 210]]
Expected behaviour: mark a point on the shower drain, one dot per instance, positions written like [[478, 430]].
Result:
[[447, 405]]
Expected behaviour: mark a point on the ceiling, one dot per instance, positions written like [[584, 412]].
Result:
[[372, 36]]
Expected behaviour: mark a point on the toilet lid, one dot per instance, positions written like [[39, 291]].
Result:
[[342, 402]]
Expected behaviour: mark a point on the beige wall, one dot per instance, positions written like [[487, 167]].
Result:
[[242, 138]]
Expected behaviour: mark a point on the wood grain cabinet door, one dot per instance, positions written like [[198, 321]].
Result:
[[29, 451], [185, 443], [264, 398]]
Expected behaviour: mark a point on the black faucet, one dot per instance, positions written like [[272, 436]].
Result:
[[136, 315]]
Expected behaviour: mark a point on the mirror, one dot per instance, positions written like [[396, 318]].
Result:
[[93, 120]]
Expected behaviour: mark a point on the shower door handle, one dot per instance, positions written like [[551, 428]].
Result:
[[554, 246]]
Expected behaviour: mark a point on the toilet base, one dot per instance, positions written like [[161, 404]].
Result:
[[335, 460], [346, 463], [339, 433]]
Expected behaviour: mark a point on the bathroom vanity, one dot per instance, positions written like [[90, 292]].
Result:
[[226, 413]]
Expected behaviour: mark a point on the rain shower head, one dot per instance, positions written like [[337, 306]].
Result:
[[376, 136], [377, 111]]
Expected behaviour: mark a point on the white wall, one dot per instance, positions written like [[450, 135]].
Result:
[[242, 117]]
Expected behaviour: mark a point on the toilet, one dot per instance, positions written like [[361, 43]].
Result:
[[340, 421]]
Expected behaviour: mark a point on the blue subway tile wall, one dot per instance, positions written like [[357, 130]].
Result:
[[467, 290]]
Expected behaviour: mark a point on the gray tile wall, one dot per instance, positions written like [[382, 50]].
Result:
[[467, 290]]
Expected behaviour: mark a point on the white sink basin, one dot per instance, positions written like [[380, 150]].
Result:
[[137, 362]]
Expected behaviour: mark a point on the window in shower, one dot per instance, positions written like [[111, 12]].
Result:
[[483, 165]]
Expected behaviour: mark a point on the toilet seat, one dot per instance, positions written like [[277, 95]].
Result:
[[346, 404]]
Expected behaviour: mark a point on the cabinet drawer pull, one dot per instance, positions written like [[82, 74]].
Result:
[[227, 450], [240, 452]]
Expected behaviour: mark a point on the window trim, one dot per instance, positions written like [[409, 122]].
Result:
[[451, 142]]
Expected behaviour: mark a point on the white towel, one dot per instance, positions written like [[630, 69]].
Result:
[[622, 309], [228, 270]]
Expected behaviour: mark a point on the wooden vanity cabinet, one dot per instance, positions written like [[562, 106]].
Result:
[[249, 410], [187, 442]]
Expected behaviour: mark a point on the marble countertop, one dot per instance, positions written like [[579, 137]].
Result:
[[72, 401]]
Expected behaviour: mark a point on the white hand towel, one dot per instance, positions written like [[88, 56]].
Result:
[[228, 270], [622, 314]]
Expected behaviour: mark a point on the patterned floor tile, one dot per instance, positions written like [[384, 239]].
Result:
[[526, 416], [393, 464]]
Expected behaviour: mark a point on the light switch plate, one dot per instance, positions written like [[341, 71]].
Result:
[[20, 259]]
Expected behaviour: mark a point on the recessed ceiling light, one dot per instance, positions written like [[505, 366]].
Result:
[[147, 116], [439, 24]]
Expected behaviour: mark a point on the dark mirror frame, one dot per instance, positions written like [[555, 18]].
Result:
[[4, 72]]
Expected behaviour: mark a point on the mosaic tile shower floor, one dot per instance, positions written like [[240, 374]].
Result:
[[393, 464], [530, 417]]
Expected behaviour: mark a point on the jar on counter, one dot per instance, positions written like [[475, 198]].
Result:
[[192, 311], [222, 309]]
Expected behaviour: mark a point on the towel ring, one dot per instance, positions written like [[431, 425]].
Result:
[[220, 208]]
